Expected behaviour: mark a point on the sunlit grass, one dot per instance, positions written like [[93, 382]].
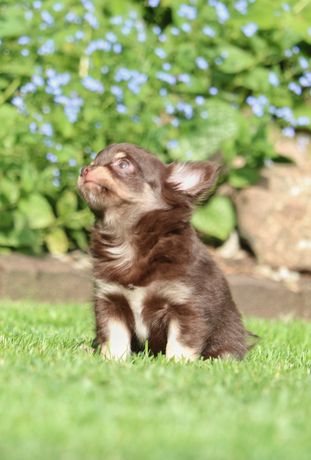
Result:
[[60, 401]]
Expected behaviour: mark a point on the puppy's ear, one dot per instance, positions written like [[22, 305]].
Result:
[[195, 179]]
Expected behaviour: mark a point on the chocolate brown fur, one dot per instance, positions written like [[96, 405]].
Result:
[[144, 247]]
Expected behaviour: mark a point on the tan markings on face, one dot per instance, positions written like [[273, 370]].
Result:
[[103, 176], [118, 345], [175, 349], [119, 155]]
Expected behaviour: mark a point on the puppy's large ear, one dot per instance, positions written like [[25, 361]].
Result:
[[194, 179]]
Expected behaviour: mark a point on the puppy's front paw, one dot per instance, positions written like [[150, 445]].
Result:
[[118, 345], [175, 349], [114, 354]]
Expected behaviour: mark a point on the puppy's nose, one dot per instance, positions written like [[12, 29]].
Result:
[[84, 170]]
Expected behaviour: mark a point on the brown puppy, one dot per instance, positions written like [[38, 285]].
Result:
[[154, 279]]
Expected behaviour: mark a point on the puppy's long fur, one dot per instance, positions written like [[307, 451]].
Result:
[[154, 279]]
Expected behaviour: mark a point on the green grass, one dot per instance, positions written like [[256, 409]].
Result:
[[60, 401]]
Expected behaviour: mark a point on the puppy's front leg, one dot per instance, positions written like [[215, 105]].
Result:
[[175, 348], [112, 331], [118, 343]]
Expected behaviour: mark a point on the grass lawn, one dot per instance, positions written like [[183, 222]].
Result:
[[59, 401]]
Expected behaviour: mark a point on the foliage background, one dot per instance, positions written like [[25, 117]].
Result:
[[185, 79]]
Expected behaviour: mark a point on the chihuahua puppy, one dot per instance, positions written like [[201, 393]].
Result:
[[154, 278]]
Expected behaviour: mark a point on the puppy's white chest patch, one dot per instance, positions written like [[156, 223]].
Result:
[[135, 297]]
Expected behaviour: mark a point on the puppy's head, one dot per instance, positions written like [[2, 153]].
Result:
[[127, 175]]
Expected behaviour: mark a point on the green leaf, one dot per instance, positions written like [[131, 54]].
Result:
[[10, 190], [243, 177], [67, 203], [216, 218], [37, 210], [57, 241], [222, 124], [236, 59], [78, 220]]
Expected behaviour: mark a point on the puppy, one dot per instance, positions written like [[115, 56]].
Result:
[[154, 279]]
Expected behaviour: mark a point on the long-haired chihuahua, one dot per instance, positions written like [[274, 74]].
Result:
[[154, 279]]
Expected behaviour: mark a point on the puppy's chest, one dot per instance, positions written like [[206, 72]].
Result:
[[135, 297], [172, 292]]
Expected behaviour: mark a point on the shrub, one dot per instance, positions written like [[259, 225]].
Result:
[[183, 79]]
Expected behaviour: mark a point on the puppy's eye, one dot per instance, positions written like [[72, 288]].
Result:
[[123, 163]]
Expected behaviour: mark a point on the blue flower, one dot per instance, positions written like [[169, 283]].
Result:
[[295, 88], [33, 127], [88, 5], [116, 20], [288, 131], [156, 30], [186, 109], [187, 11], [116, 91], [186, 27], [169, 108], [25, 52], [213, 91], [163, 92], [160, 53], [117, 48], [71, 105], [93, 85], [303, 121], [28, 15], [175, 31], [201, 62], [153, 3], [221, 11], [51, 157], [286, 7], [46, 129], [184, 78], [199, 100], [23, 40], [104, 70], [303, 62], [95, 45], [91, 19], [28, 88], [121, 108], [273, 79], [249, 29], [58, 7], [72, 17], [47, 17], [305, 80], [37, 80], [175, 122], [166, 66], [166, 77], [37, 4], [47, 48], [72, 162], [111, 37], [241, 6], [18, 102], [208, 31], [141, 36], [172, 144]]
